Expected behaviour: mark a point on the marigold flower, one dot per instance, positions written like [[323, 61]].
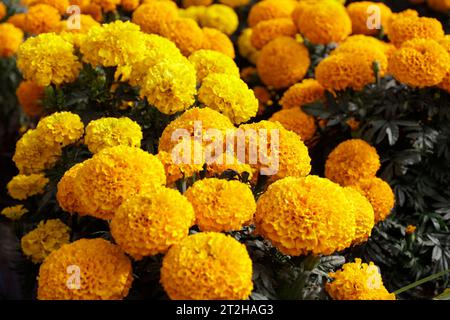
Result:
[[419, 63], [220, 17], [407, 27], [235, 3], [62, 127], [270, 9], [221, 205], [410, 229], [359, 14], [207, 266], [129, 5], [150, 223], [66, 196], [358, 281], [246, 49], [105, 272], [351, 161], [208, 61], [439, 5], [17, 20], [2, 10], [152, 16], [60, 5], [192, 12], [10, 39], [296, 218], [229, 95], [307, 91], [267, 30], [186, 34], [48, 236], [94, 10], [294, 119], [323, 22], [24, 186], [42, 18], [218, 41], [107, 5], [14, 212], [361, 43], [30, 95], [380, 195], [283, 62], [113, 175]]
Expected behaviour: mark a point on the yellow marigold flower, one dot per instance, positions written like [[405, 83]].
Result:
[[207, 266], [66, 196], [419, 63], [17, 20], [407, 27], [30, 95], [186, 34], [351, 161], [270, 9], [110, 132], [105, 272], [14, 212], [208, 61], [294, 119], [439, 5], [150, 223], [358, 281], [35, 153], [294, 215], [60, 5], [42, 18], [410, 229], [359, 14], [307, 91], [235, 3], [129, 5], [229, 95], [221, 205], [283, 62], [93, 10], [364, 215], [62, 127], [266, 31], [2, 10], [10, 39], [170, 85], [218, 41], [361, 43], [48, 236], [208, 118], [113, 175], [380, 195], [192, 12], [323, 22], [86, 23], [48, 58], [246, 49], [22, 186], [152, 16], [220, 17], [196, 3], [107, 5]]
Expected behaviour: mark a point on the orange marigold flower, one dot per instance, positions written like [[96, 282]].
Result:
[[410, 229], [267, 30], [283, 62], [307, 91], [107, 5], [407, 27], [66, 196], [439, 5], [360, 12], [42, 18], [94, 10], [270, 9], [185, 33], [294, 119], [60, 5], [361, 42], [218, 41], [10, 39], [30, 95], [152, 16], [129, 5], [18, 20]]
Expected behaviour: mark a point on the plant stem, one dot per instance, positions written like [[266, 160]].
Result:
[[421, 281]]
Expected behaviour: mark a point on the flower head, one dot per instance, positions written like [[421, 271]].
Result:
[[364, 215], [267, 30], [22, 186], [406, 27], [10, 39], [14, 212], [246, 49], [294, 119], [208, 61], [66, 196], [30, 96], [152, 16], [42, 18], [218, 41], [186, 34], [63, 128], [270, 9], [360, 12], [307, 91], [220, 17]]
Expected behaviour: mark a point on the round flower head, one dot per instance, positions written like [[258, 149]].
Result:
[[107, 5], [60, 5], [105, 272], [307, 91], [229, 95], [152, 16], [208, 61], [14, 212], [283, 62], [93, 10], [296, 217], [196, 3], [186, 34], [129, 5], [439, 5], [351, 161], [220, 17], [112, 176], [364, 215], [246, 49], [294, 119], [221, 205], [267, 30], [358, 281], [30, 95], [362, 43], [110, 132], [323, 22], [34, 153], [207, 266], [18, 20], [419, 63], [192, 120], [270, 9], [22, 186], [65, 195], [42, 18], [48, 236], [149, 223], [63, 128], [218, 41], [362, 12], [47, 59], [170, 85], [10, 39], [407, 27], [380, 195]]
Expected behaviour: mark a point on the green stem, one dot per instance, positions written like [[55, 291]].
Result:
[[421, 281], [298, 286]]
